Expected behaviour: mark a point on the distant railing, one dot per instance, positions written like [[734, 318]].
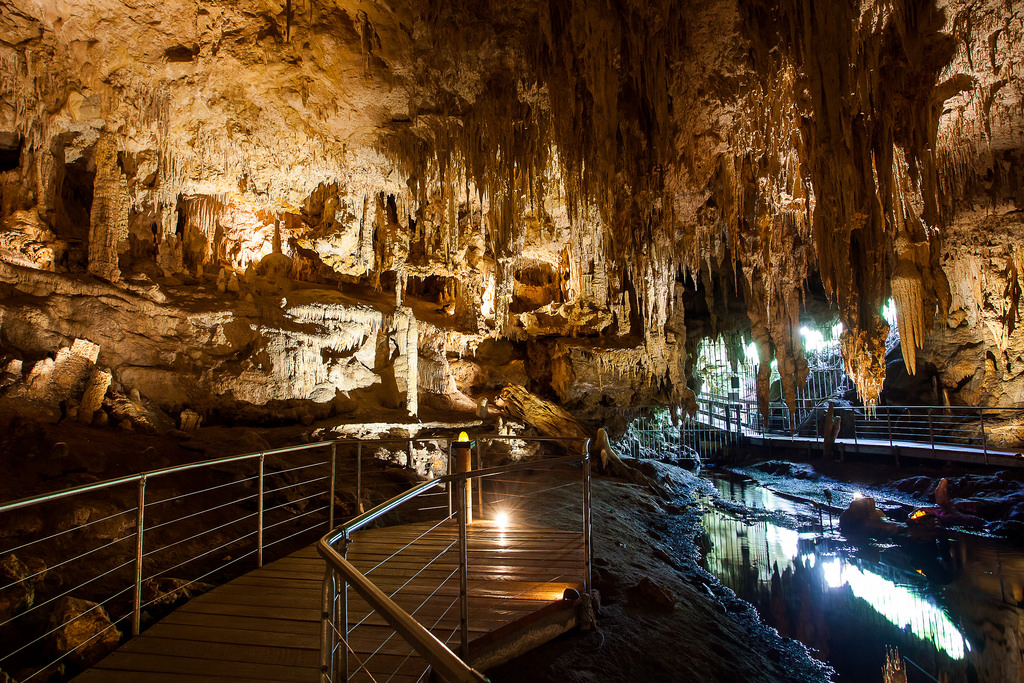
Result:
[[933, 427], [720, 422], [112, 554], [710, 433], [339, 659]]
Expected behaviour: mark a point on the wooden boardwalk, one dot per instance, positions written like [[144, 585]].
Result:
[[974, 455], [265, 625]]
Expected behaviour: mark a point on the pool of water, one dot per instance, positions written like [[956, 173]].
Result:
[[954, 609]]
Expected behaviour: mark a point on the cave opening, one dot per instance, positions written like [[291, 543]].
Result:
[[76, 192]]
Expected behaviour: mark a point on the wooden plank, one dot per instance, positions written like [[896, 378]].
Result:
[[253, 582], [200, 668], [255, 624], [217, 650], [284, 613], [220, 634], [128, 676], [266, 624]]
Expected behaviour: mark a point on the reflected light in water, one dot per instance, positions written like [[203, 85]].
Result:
[[897, 604], [784, 541]]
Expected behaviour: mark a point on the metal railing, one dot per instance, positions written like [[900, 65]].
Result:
[[937, 428], [117, 554], [423, 622], [712, 432], [720, 422]]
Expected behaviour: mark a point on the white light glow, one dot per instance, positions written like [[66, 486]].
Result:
[[899, 605], [813, 339], [501, 520], [487, 308], [889, 312]]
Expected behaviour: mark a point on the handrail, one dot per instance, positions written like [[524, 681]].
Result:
[[387, 506], [198, 464], [173, 469], [721, 420], [437, 654], [134, 513], [362, 520], [446, 663]]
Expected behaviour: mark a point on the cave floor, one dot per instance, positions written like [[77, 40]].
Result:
[[265, 625]]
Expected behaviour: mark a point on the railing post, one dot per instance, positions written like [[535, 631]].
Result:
[[463, 465], [449, 486], [587, 548], [341, 614], [259, 517], [328, 637], [460, 501], [330, 501], [856, 446], [140, 528], [931, 430], [682, 423], [359, 477], [984, 439], [480, 482]]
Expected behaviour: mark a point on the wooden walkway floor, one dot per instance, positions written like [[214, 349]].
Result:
[[993, 457], [265, 626]]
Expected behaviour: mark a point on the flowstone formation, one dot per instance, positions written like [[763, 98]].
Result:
[[305, 208]]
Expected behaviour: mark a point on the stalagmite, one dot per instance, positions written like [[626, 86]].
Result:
[[108, 225], [92, 398]]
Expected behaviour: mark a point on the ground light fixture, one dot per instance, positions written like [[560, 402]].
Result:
[[501, 519]]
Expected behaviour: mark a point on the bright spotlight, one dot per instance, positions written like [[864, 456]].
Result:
[[501, 520], [858, 495]]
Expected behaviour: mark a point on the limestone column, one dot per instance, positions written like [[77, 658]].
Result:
[[108, 225], [406, 365]]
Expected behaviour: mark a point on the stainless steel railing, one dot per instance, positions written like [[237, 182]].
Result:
[[982, 429], [711, 432], [433, 640], [720, 422], [116, 553]]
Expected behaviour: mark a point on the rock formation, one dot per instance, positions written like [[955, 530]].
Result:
[[298, 208]]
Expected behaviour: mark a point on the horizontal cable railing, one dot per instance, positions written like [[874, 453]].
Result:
[[82, 568], [981, 429], [720, 421], [711, 432], [409, 607]]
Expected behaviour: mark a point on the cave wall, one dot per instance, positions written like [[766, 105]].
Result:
[[367, 194]]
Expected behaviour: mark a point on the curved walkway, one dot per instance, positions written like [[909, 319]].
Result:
[[265, 625]]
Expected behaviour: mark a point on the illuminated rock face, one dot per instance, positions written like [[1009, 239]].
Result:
[[571, 176]]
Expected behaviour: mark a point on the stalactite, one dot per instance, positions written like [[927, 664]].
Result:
[[875, 105]]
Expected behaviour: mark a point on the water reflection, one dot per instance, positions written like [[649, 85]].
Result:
[[953, 609]]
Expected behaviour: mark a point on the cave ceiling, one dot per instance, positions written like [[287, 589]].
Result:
[[604, 176]]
